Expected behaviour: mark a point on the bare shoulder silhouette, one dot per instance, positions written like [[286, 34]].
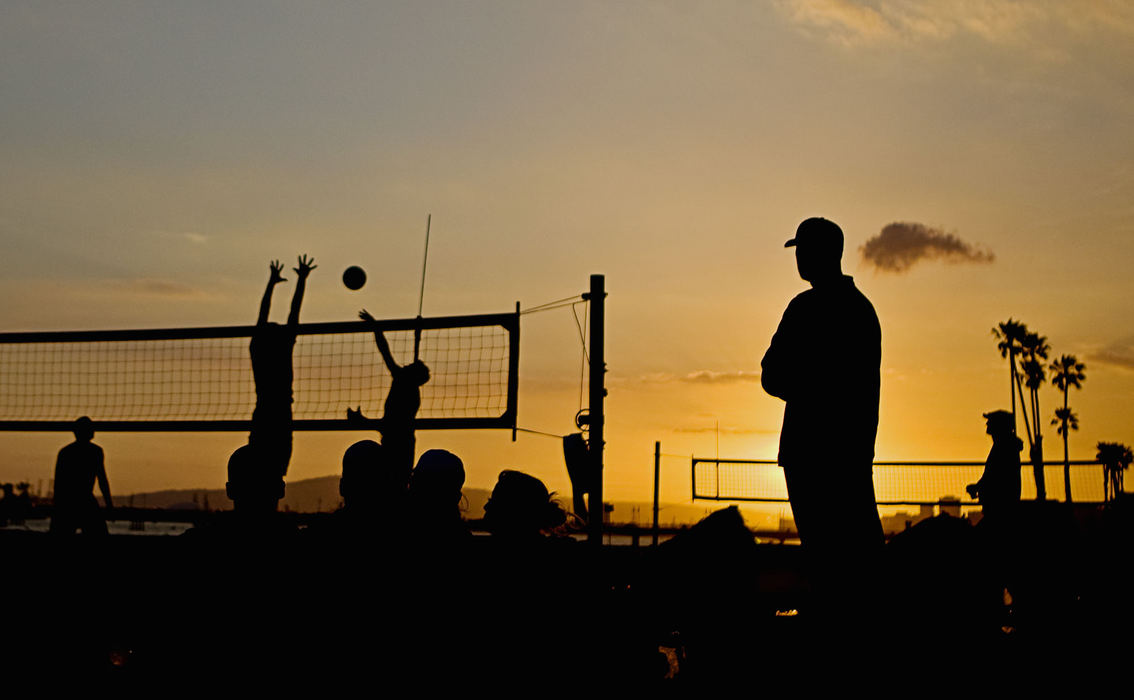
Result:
[[79, 466]]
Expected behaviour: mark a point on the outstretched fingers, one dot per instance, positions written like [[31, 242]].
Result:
[[276, 268], [306, 265]]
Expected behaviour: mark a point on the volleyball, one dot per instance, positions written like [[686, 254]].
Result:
[[354, 277]]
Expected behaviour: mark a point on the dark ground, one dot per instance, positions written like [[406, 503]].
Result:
[[709, 607]]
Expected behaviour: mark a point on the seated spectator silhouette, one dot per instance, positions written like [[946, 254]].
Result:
[[23, 504], [435, 499], [7, 504], [271, 352], [79, 465], [374, 491], [255, 487], [524, 570], [402, 403], [521, 510]]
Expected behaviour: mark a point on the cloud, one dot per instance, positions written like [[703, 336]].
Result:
[[152, 287], [901, 245], [705, 376], [842, 20], [1119, 355], [855, 23], [728, 430]]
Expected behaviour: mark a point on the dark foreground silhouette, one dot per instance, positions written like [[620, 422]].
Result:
[[78, 468], [274, 606], [824, 362]]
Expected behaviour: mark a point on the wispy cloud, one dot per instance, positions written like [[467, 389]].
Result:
[[857, 23], [1120, 354], [727, 430], [841, 20], [899, 246], [704, 376], [153, 287]]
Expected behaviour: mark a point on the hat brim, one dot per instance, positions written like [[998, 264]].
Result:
[[790, 244]]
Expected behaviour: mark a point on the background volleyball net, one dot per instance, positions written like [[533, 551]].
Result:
[[895, 483], [200, 379]]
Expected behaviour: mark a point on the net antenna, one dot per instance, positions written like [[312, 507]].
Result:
[[421, 297]]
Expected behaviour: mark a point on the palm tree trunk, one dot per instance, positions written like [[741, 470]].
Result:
[[1012, 385], [1024, 410], [1066, 460], [1036, 449]]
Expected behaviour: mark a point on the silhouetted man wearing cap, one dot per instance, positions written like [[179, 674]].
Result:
[[999, 485], [824, 362]]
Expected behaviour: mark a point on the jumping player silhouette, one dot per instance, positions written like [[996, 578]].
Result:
[[271, 351], [402, 403]]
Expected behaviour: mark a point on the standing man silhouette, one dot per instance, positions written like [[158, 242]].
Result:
[[271, 350], [79, 465], [824, 362], [999, 485]]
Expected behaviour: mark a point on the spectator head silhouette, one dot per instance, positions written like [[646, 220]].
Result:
[[818, 247], [83, 428], [254, 487], [1000, 424], [521, 507], [368, 480], [437, 479]]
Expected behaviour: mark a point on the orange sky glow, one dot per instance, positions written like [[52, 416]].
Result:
[[154, 159]]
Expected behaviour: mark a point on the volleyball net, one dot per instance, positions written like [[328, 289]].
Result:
[[200, 379], [895, 483]]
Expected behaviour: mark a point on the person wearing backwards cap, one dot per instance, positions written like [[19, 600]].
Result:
[[824, 362]]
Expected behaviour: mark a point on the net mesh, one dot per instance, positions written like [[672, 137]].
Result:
[[907, 483], [210, 378]]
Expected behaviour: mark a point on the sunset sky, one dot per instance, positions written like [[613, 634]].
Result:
[[155, 156]]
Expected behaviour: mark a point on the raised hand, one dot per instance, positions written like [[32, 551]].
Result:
[[306, 265], [276, 267], [365, 316]]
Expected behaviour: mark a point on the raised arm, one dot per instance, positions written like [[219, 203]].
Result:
[[380, 341], [274, 278], [306, 265], [103, 482]]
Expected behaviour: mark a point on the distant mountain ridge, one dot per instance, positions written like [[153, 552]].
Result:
[[321, 494]]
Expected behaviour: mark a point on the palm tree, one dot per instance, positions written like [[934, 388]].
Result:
[[1035, 348], [1115, 457], [1010, 333], [1013, 337], [1067, 372]]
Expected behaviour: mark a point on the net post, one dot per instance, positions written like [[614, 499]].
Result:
[[514, 369], [597, 297], [657, 474]]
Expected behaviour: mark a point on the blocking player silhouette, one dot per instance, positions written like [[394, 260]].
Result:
[[402, 403], [271, 351]]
